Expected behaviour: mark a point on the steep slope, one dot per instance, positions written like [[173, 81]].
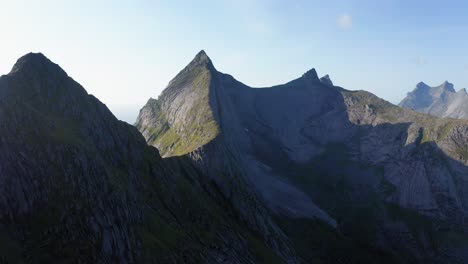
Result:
[[186, 121], [79, 186], [347, 165], [440, 101], [188, 95]]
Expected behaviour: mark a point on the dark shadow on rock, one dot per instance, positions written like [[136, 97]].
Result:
[[342, 175]]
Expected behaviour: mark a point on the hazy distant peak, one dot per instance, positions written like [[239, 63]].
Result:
[[422, 85], [441, 101], [447, 86]]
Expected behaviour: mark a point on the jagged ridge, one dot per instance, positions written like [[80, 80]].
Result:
[[440, 101]]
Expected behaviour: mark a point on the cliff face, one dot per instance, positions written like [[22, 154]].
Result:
[[77, 185], [307, 153], [440, 101]]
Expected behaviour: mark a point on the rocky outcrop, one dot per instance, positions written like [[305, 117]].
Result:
[[308, 153], [79, 186]]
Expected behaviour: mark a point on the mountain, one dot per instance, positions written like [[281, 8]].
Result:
[[440, 101], [347, 176], [79, 186]]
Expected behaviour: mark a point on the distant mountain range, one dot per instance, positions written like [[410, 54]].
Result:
[[215, 171], [441, 101]]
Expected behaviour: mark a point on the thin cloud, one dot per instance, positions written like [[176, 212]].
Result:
[[345, 22], [419, 60]]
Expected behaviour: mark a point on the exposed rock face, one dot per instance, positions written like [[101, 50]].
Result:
[[79, 186], [440, 101], [186, 95], [308, 152]]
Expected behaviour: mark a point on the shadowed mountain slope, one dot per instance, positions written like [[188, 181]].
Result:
[[79, 186], [392, 182]]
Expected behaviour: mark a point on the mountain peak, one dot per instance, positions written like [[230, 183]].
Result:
[[441, 100], [36, 75], [422, 85], [326, 80], [447, 86], [311, 75], [201, 59], [202, 54], [35, 63]]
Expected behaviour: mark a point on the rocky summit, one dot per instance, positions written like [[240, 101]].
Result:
[[440, 101], [322, 174]]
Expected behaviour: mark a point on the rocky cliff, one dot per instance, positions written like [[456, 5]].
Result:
[[79, 186], [344, 174]]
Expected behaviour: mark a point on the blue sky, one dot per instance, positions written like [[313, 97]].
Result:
[[124, 52]]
